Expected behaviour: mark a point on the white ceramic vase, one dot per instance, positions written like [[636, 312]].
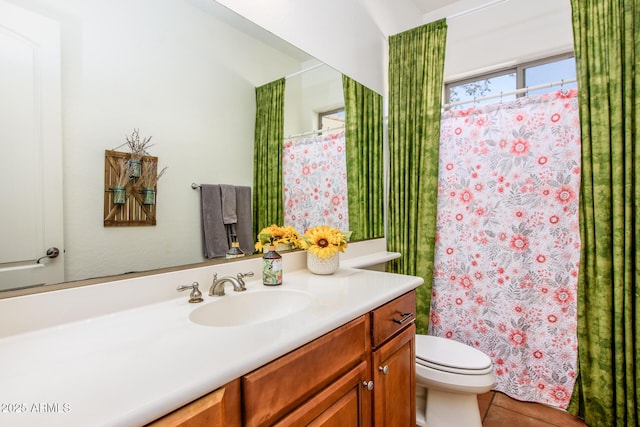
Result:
[[318, 265]]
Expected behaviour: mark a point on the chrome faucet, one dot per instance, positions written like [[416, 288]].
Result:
[[217, 287]]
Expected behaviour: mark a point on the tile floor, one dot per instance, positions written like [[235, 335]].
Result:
[[499, 410]]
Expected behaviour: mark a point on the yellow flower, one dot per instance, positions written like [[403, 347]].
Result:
[[281, 235], [324, 241]]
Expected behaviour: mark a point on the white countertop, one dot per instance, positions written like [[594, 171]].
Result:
[[130, 367]]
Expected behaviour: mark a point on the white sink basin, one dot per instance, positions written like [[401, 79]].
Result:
[[250, 307]]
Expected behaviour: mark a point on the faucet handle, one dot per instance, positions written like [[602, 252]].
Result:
[[195, 295], [241, 276]]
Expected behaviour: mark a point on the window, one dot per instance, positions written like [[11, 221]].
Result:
[[331, 119], [488, 88], [482, 86], [541, 73]]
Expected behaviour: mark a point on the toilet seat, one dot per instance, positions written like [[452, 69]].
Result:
[[451, 356]]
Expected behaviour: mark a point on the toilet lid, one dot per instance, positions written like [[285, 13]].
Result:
[[452, 356]]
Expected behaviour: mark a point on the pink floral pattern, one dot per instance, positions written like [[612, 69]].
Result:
[[508, 242], [315, 182]]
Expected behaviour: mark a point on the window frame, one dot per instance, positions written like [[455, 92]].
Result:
[[322, 114], [518, 70]]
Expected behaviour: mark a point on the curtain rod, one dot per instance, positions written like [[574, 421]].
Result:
[[511, 92], [313, 67], [475, 9], [314, 131]]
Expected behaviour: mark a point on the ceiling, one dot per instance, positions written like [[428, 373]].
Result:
[[427, 6]]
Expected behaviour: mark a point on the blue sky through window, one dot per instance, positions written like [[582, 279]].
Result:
[[541, 73], [564, 69]]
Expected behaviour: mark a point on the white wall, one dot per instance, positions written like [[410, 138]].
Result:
[[351, 36], [343, 34], [176, 73], [503, 35]]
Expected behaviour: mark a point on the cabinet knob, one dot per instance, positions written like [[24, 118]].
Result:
[[384, 369], [368, 385]]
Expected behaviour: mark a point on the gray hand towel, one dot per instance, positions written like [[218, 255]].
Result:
[[244, 228], [229, 215], [214, 234]]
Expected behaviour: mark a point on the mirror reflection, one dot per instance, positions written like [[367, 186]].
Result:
[[183, 72]]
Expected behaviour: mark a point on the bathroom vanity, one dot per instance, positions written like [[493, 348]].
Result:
[[360, 370], [143, 357]]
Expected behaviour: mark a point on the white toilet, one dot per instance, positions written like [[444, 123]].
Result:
[[449, 376]]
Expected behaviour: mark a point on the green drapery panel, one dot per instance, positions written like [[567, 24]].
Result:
[[416, 67], [364, 151], [607, 49], [267, 159]]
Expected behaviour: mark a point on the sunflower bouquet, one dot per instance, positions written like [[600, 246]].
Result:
[[324, 241], [280, 235]]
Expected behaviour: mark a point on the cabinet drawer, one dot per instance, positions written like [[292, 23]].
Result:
[[387, 320], [275, 389]]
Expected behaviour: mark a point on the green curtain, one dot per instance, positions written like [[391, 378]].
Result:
[[416, 67], [364, 152], [267, 159], [607, 47]]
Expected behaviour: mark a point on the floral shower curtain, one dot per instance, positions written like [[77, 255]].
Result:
[[315, 182], [508, 242]]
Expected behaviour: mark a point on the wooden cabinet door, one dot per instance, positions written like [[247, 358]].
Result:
[[346, 402], [274, 390], [220, 408], [393, 371]]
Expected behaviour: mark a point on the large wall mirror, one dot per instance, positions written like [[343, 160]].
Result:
[[183, 72]]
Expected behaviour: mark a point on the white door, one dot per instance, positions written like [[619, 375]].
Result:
[[31, 149]]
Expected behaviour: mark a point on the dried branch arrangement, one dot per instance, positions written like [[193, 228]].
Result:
[[138, 148], [123, 172], [150, 177]]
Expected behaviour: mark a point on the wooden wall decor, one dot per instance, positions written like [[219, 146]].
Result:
[[133, 212]]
